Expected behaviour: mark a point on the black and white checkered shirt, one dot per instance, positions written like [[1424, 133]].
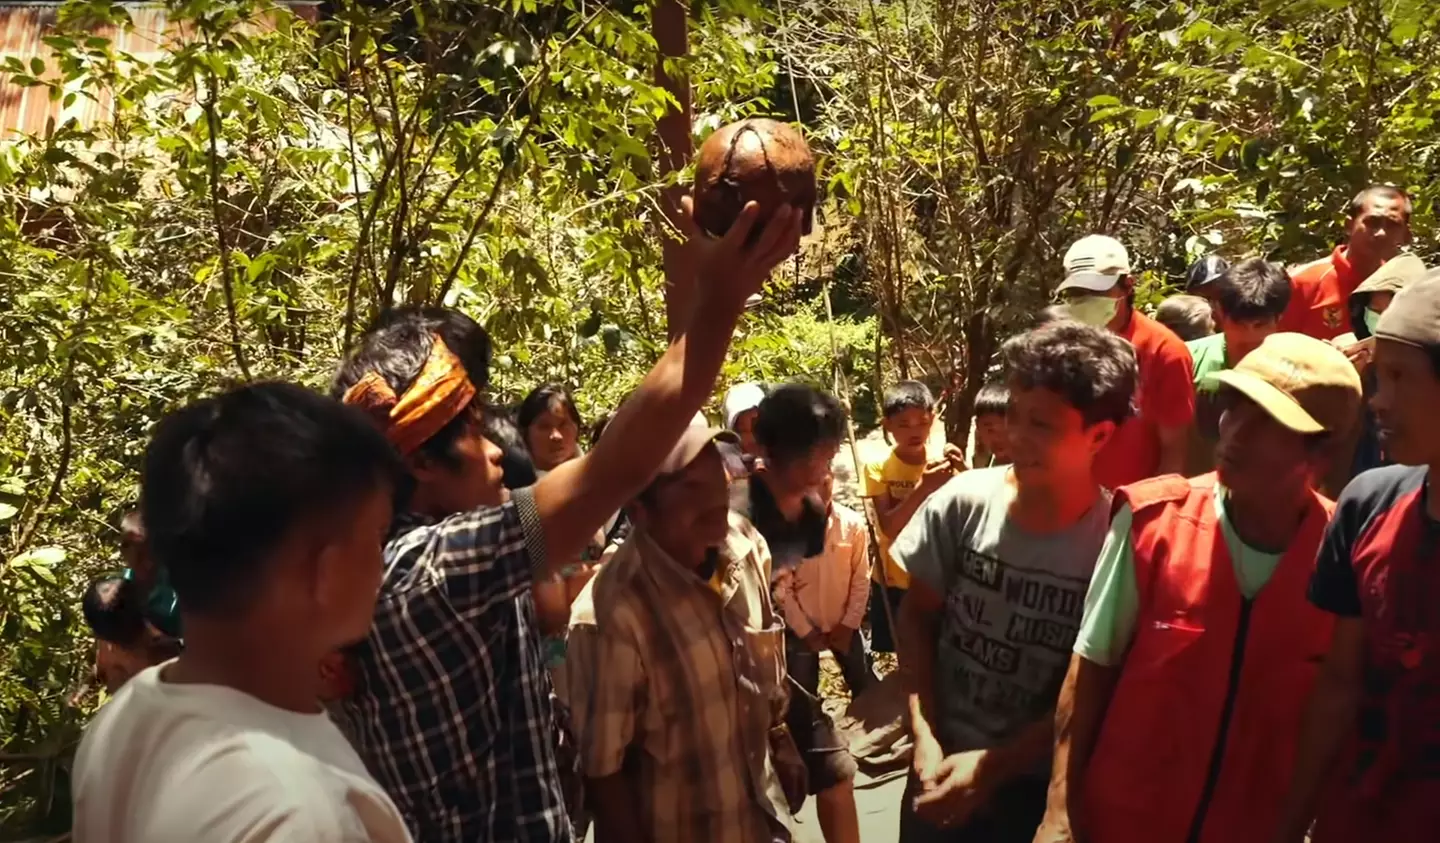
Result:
[[452, 712]]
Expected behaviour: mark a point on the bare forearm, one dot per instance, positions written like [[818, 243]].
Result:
[[576, 499], [895, 517], [616, 808], [916, 649], [1172, 450], [1328, 719], [1079, 714]]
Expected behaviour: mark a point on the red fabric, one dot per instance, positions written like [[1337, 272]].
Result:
[[1320, 297], [1147, 775], [1389, 787], [1164, 395]]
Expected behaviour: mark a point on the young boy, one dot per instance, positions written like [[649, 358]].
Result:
[[992, 444], [125, 641], [267, 507], [896, 487], [798, 432], [1248, 299], [1000, 559], [824, 598]]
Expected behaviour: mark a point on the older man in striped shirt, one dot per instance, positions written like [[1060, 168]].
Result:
[[676, 669]]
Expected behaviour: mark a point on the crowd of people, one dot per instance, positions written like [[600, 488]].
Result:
[[1134, 611]]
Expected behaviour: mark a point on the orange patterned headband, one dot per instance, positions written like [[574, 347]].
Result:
[[440, 393]]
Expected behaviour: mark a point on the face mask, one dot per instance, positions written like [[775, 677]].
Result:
[[1372, 321], [1096, 311]]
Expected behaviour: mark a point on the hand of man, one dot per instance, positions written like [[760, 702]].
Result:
[[729, 272], [1054, 830], [816, 640], [955, 455], [958, 791], [937, 474], [841, 637]]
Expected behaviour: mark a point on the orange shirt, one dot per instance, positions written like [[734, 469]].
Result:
[[1320, 297], [1164, 396]]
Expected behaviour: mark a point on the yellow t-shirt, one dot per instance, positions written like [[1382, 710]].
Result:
[[897, 479]]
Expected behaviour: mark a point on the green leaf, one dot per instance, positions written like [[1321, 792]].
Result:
[[41, 557], [1103, 100], [7, 511]]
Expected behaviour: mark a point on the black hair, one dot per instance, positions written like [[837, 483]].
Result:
[[794, 418], [1189, 317], [515, 462], [907, 395], [597, 427], [539, 402], [1053, 313], [397, 344], [1253, 290], [1382, 191], [1091, 368], [114, 609], [226, 479], [992, 400], [1204, 271]]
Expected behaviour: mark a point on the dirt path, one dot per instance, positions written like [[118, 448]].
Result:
[[877, 800]]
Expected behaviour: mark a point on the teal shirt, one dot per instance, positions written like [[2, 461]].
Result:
[[1113, 602], [1208, 355]]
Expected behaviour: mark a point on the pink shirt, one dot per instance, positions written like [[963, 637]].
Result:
[[832, 589]]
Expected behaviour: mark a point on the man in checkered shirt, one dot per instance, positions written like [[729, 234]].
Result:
[[451, 709]]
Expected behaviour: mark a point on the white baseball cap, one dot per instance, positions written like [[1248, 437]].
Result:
[[1095, 262]]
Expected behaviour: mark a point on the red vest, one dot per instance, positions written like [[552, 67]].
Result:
[[1200, 737]]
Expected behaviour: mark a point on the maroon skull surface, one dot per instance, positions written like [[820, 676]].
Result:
[[759, 160]]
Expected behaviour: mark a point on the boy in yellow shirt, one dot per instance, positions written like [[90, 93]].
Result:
[[896, 487]]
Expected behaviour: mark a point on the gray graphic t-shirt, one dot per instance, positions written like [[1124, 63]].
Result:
[[1013, 602]]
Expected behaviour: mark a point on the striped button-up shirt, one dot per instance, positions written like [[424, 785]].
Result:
[[452, 711], [676, 684]]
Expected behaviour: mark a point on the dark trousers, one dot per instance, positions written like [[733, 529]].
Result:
[[1013, 815], [804, 663]]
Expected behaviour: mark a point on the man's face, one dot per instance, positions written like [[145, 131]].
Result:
[[349, 567], [910, 428], [553, 438], [1048, 437], [1406, 403], [1257, 458], [745, 429], [1379, 230], [990, 430], [1241, 338], [472, 478], [689, 511], [803, 474]]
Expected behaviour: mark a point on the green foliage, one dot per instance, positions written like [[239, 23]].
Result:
[[254, 193]]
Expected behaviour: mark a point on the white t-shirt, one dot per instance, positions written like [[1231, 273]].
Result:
[[168, 763]]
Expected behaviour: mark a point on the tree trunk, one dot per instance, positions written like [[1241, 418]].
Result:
[[671, 26]]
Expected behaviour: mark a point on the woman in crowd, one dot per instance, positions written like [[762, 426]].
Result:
[[550, 424]]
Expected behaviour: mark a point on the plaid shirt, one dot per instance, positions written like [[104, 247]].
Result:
[[678, 682], [452, 711]]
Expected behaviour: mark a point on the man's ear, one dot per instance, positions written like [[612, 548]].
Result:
[[1100, 434]]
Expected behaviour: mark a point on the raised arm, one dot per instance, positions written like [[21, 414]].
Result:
[[575, 500]]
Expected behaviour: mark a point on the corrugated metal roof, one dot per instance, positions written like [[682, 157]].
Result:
[[25, 110]]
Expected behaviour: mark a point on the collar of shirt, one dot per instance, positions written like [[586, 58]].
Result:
[[726, 580], [1344, 272]]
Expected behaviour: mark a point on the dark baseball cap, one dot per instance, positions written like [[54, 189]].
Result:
[[1413, 318]]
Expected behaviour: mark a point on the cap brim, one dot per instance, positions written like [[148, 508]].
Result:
[[1281, 407], [691, 444], [1096, 282]]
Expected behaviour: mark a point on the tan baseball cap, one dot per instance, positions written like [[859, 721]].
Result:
[[692, 442], [1095, 262], [1305, 384]]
